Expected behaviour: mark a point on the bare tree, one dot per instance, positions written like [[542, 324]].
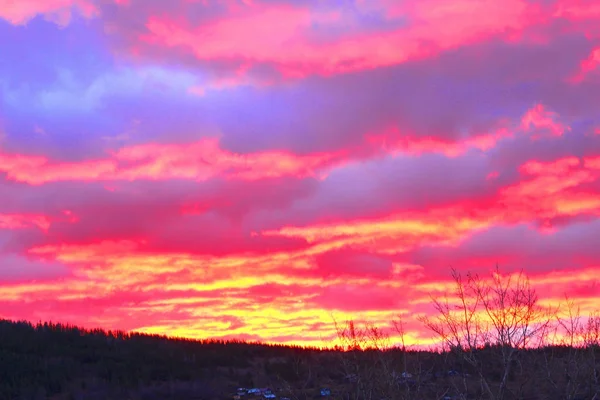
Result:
[[517, 320], [591, 343], [459, 326], [413, 369], [591, 334], [501, 314], [369, 361], [564, 364], [358, 343], [398, 324], [492, 329]]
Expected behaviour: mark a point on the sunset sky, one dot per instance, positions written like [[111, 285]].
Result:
[[249, 169]]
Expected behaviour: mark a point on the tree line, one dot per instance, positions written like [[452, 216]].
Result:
[[495, 340]]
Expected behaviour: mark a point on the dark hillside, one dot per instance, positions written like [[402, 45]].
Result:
[[54, 361], [46, 360]]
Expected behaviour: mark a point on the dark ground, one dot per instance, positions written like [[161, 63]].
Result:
[[53, 361]]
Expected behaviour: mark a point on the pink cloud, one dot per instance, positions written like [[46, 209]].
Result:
[[546, 191], [433, 27], [589, 65], [20, 221], [396, 142], [538, 120], [577, 9], [199, 161], [21, 11], [239, 77], [592, 162]]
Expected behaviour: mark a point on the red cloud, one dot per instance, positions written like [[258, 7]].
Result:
[[348, 263], [356, 298]]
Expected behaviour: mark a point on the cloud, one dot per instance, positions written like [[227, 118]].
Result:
[[346, 262], [540, 119], [59, 11], [415, 107], [382, 186], [588, 66], [204, 160], [296, 53], [8, 221], [15, 268], [355, 298], [70, 96], [246, 169], [516, 247]]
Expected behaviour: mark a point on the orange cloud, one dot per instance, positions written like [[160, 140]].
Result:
[[389, 235]]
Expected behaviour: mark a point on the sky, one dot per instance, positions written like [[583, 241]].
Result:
[[253, 169]]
